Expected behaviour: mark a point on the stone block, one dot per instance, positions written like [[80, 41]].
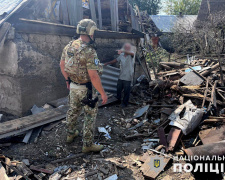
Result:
[[36, 38], [65, 40], [25, 37], [53, 39]]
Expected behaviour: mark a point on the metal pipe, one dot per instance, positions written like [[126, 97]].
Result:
[[213, 149]]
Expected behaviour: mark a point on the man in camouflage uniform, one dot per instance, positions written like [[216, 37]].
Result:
[[80, 67]]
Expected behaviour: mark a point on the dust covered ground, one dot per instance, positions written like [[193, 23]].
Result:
[[119, 156]]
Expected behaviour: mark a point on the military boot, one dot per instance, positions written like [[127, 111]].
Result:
[[92, 148], [70, 137]]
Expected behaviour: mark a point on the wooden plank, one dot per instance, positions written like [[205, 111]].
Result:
[[148, 168], [116, 35], [200, 96], [14, 127], [147, 39], [213, 94], [206, 92], [174, 138], [93, 12], [214, 67], [214, 117], [144, 157], [134, 21], [214, 120], [221, 71], [41, 27], [99, 14], [117, 15], [114, 14], [113, 23], [35, 168], [65, 13]]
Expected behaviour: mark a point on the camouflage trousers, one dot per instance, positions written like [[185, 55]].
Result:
[[76, 107]]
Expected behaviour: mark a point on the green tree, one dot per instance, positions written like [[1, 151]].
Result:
[[152, 6], [187, 7]]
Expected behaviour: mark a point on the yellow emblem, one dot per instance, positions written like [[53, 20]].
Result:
[[156, 163]]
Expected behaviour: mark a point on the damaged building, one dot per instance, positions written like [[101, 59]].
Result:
[[31, 51], [173, 127]]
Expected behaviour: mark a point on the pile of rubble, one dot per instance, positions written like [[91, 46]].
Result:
[[180, 114], [183, 113]]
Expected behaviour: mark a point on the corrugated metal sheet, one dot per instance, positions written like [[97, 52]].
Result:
[[75, 11], [109, 78], [167, 23], [7, 6]]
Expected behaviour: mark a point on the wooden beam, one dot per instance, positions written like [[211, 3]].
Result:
[[221, 71], [21, 125], [117, 15], [213, 94], [41, 27], [93, 12], [206, 91], [200, 96], [99, 14], [207, 72], [214, 120], [133, 19], [114, 14]]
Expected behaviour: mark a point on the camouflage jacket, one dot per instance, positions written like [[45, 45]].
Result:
[[79, 58]]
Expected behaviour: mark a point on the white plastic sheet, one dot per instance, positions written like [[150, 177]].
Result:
[[190, 119]]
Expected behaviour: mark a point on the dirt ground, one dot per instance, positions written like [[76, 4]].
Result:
[[119, 156]]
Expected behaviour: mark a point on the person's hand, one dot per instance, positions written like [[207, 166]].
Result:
[[68, 85], [105, 64], [119, 51], [104, 98]]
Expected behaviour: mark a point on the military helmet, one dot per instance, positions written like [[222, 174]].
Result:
[[86, 27]]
